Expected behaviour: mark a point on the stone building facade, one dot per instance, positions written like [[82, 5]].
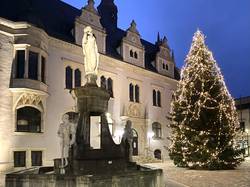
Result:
[[41, 60]]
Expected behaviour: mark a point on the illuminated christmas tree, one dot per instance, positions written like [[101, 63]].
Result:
[[204, 120]]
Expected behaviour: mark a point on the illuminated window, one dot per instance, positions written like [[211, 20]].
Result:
[[28, 120]]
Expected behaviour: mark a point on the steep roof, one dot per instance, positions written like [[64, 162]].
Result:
[[57, 19]]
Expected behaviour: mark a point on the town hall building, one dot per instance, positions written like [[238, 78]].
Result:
[[41, 61]]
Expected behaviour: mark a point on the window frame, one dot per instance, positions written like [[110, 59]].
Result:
[[18, 163], [157, 129], [35, 163], [68, 77]]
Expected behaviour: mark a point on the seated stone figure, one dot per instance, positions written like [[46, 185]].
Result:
[[66, 133]]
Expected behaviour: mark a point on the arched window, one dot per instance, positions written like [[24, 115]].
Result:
[[110, 87], [166, 67], [157, 154], [137, 94], [28, 120], [163, 66], [135, 55], [78, 78], [69, 78], [131, 92], [135, 143], [156, 128], [154, 98], [131, 53], [103, 82], [158, 98]]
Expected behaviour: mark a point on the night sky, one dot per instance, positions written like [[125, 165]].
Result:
[[226, 24]]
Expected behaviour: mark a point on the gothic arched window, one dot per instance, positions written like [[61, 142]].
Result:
[[103, 82], [158, 98], [135, 55], [163, 66], [154, 98], [166, 67], [131, 92], [131, 53], [68, 78], [110, 87], [137, 94], [78, 78], [28, 120]]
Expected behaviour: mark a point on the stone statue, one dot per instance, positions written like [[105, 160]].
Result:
[[128, 138], [90, 51], [66, 132]]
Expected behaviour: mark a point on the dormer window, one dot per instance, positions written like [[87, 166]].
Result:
[[131, 53], [136, 55]]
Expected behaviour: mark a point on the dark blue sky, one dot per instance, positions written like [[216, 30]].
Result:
[[226, 23]]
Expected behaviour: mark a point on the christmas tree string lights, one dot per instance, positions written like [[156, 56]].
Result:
[[204, 120]]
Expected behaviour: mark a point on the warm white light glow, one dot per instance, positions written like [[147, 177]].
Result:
[[151, 134]]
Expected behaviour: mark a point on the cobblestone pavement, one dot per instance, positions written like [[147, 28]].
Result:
[[180, 177]]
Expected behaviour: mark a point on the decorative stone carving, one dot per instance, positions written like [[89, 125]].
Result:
[[66, 133], [30, 99], [90, 51], [134, 110]]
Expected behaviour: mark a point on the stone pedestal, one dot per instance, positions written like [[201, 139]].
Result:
[[93, 101]]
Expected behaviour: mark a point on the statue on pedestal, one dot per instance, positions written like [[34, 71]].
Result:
[[66, 132], [91, 55], [128, 139]]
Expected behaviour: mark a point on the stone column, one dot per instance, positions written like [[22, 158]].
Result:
[[26, 63], [39, 67]]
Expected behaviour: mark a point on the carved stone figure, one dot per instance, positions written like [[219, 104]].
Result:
[[66, 132], [90, 51], [128, 138]]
